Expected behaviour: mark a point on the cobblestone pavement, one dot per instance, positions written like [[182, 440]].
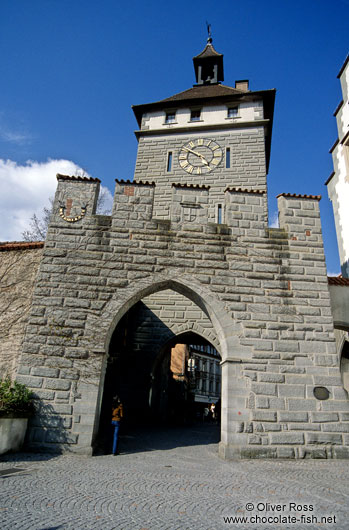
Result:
[[167, 480]]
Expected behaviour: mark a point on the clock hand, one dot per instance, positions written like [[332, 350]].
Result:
[[197, 154]]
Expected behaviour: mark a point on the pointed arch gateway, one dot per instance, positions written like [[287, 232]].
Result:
[[224, 333]]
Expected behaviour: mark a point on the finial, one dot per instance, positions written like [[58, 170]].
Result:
[[209, 39]]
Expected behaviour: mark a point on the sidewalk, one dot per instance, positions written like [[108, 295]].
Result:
[[169, 480]]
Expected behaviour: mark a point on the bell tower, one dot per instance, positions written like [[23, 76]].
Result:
[[208, 65], [210, 135]]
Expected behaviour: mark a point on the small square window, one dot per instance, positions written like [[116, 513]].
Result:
[[233, 112], [195, 115], [170, 117]]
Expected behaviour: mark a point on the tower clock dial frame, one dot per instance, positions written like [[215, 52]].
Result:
[[200, 156]]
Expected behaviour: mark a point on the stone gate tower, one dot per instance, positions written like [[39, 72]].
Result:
[[188, 239]]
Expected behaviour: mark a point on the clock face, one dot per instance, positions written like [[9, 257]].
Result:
[[200, 156]]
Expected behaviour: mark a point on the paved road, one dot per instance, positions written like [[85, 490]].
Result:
[[170, 480]]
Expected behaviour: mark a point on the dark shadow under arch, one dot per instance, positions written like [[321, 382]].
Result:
[[129, 370]]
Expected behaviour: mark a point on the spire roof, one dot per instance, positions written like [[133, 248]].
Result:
[[208, 51]]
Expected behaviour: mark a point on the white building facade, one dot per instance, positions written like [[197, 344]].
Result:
[[338, 182]]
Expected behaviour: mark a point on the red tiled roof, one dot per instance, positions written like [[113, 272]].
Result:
[[21, 245], [337, 280], [245, 190], [76, 178], [295, 196]]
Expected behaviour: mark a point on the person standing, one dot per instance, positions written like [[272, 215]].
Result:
[[117, 415]]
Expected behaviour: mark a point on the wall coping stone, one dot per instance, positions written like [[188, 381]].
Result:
[[296, 196], [21, 245], [192, 186], [76, 178], [135, 182], [245, 190]]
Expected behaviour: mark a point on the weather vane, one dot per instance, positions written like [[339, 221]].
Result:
[[209, 39]]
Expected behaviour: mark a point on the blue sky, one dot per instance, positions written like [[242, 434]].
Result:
[[70, 71]]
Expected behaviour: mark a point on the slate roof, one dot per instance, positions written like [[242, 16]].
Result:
[[204, 91], [208, 51]]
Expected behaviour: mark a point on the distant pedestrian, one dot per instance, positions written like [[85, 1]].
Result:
[[117, 415], [213, 411]]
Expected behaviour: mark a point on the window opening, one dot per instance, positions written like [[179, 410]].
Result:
[[227, 158], [195, 115], [170, 117], [233, 112], [219, 214], [169, 161]]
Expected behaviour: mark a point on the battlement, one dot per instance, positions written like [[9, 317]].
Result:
[[242, 211]]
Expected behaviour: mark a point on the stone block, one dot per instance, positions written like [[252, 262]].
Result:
[[263, 415], [31, 381], [290, 416], [287, 438], [44, 394], [63, 409], [336, 427], [341, 452], [277, 403], [335, 406], [44, 371], [323, 438], [328, 380], [285, 452], [304, 427], [291, 391], [313, 453], [254, 439], [271, 378], [322, 417], [267, 389], [302, 404], [262, 402], [57, 384], [268, 427], [258, 452]]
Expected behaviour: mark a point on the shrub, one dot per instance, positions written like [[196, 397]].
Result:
[[15, 399]]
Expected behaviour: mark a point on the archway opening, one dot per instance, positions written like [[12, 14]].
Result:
[[164, 365], [344, 365]]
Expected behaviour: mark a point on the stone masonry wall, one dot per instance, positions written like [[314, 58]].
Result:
[[19, 264], [264, 290], [247, 165], [166, 314]]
